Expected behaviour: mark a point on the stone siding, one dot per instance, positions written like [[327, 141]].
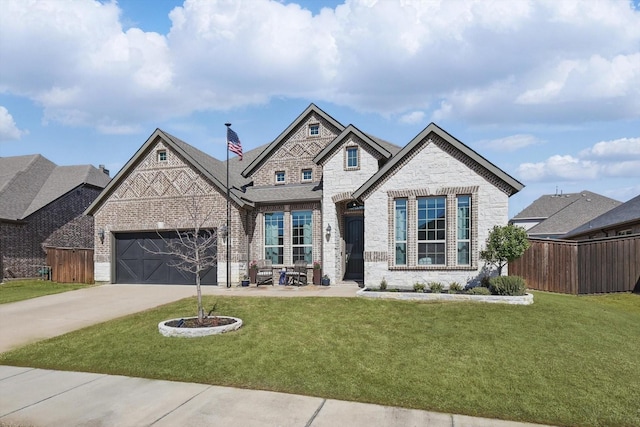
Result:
[[429, 170]]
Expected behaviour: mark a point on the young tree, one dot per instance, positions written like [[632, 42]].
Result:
[[193, 250], [505, 244]]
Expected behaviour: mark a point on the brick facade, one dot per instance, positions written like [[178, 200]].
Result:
[[59, 224]]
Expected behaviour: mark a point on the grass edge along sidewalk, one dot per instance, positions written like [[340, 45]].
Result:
[[565, 360], [20, 290]]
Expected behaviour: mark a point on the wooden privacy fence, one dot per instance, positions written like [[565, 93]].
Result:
[[71, 265], [610, 264]]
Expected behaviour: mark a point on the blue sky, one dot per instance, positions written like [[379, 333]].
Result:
[[549, 91]]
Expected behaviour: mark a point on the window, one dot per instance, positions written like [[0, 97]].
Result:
[[301, 233], [624, 232], [401, 231], [162, 155], [274, 237], [280, 177], [314, 130], [306, 175], [352, 157], [464, 230], [431, 230]]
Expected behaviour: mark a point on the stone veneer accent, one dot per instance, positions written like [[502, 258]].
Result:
[[429, 170]]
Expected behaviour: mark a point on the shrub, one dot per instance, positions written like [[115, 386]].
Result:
[[485, 281], [507, 285], [383, 284], [435, 287], [479, 290], [418, 287], [455, 287]]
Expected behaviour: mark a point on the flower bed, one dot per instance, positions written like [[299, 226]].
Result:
[[526, 299]]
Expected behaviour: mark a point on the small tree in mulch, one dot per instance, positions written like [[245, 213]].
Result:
[[505, 244], [194, 250]]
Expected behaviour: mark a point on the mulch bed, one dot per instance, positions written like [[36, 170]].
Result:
[[207, 322]]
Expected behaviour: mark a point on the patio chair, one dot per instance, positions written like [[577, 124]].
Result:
[[299, 274], [264, 275]]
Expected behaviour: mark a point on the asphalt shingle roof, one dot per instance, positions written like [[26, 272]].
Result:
[[29, 183], [626, 212], [581, 208]]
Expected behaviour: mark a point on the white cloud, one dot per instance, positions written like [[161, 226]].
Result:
[[622, 148], [605, 159], [482, 62], [511, 143], [8, 129], [413, 117]]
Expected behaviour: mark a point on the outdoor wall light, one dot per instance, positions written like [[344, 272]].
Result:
[[101, 235], [328, 232]]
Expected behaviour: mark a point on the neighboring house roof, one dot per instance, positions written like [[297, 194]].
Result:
[[625, 213], [545, 206], [29, 183], [383, 148], [581, 208], [267, 152], [510, 184], [210, 167]]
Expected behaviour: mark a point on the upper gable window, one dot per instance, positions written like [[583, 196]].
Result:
[[280, 177], [352, 158], [306, 175], [314, 129], [162, 155]]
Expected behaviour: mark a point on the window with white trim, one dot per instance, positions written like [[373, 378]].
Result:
[[162, 155], [351, 154], [463, 233], [400, 231], [274, 237], [431, 227], [280, 177], [314, 129], [307, 175], [302, 236]]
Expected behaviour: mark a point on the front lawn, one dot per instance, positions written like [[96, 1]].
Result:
[[564, 360], [18, 290]]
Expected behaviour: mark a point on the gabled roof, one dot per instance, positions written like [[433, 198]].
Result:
[[270, 149], [213, 169], [29, 183], [377, 145], [619, 216], [311, 192], [583, 207], [546, 205], [433, 130]]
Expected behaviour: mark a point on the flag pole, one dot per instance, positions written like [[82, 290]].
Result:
[[228, 125]]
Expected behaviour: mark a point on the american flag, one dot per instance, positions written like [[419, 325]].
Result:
[[233, 142]]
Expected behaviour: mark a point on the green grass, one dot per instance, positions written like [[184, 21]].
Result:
[[18, 290], [565, 360]]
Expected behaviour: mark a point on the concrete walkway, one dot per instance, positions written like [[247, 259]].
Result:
[[37, 397]]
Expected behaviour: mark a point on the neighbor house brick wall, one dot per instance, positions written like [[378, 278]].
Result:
[[59, 224], [338, 184], [157, 195], [296, 153], [429, 170]]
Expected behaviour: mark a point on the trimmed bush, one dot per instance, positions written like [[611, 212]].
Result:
[[383, 284], [507, 285], [435, 287], [418, 287], [479, 290]]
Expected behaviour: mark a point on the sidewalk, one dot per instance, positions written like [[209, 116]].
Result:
[[37, 397]]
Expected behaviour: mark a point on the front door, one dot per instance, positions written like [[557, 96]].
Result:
[[354, 248]]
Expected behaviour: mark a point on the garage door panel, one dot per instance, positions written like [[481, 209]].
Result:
[[134, 264]]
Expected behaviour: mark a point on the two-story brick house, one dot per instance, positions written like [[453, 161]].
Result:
[[364, 208]]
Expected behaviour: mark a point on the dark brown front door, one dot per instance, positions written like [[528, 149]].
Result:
[[354, 247]]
